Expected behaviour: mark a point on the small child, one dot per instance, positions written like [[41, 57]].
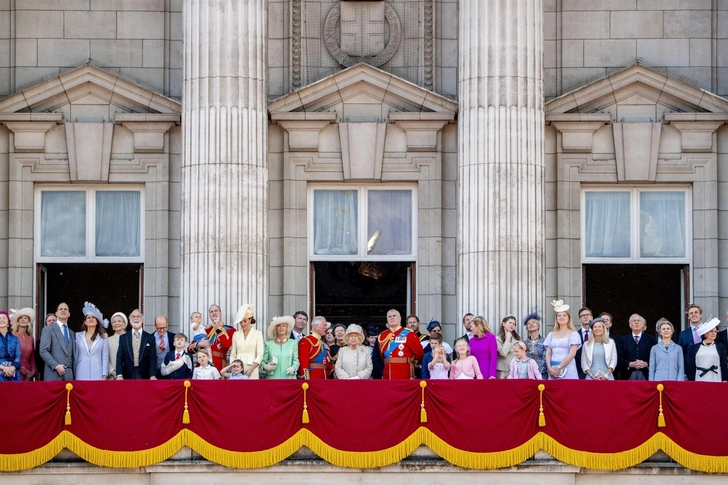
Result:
[[205, 371], [522, 366], [177, 363], [197, 327], [234, 371], [465, 366], [436, 363]]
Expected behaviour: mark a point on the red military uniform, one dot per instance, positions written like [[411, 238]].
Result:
[[221, 339], [399, 350], [313, 356]]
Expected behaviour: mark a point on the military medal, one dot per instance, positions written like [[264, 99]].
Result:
[[400, 353]]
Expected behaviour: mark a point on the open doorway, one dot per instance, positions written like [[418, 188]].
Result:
[[111, 287], [651, 290], [362, 291]]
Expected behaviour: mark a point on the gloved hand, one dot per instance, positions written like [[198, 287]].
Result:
[[355, 377], [270, 367], [291, 370]]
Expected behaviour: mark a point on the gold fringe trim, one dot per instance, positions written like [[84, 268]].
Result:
[[373, 459]]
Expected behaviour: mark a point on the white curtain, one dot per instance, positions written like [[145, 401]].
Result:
[[607, 225], [335, 222], [63, 224], [662, 224], [118, 223], [390, 214]]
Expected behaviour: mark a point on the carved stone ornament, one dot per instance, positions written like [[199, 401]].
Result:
[[346, 60]]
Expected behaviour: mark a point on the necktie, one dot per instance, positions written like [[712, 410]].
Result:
[[177, 358], [636, 340], [696, 338], [136, 335], [586, 335], [65, 333], [161, 344]]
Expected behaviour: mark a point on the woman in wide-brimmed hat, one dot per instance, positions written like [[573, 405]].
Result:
[[280, 359], [21, 321], [707, 361], [247, 342], [355, 360]]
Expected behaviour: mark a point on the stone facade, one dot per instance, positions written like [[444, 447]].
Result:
[[119, 64]]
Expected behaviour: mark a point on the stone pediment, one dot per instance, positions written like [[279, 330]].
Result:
[[90, 94], [637, 93], [362, 93]]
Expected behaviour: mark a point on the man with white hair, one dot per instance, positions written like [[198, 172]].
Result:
[[633, 350], [400, 348], [137, 354], [313, 353]]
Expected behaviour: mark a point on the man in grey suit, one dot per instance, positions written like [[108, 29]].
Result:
[[57, 347]]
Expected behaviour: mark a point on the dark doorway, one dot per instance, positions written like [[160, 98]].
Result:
[[651, 290], [360, 292], [111, 287]]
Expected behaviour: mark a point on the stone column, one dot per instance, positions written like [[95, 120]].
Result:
[[225, 169], [500, 160]]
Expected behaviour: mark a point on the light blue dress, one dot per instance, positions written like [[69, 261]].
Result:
[[92, 361], [667, 364], [599, 362], [560, 348]]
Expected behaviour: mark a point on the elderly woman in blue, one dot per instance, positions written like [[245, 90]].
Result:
[[9, 351], [666, 358]]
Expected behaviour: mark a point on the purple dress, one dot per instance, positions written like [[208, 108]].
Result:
[[485, 350], [560, 348]]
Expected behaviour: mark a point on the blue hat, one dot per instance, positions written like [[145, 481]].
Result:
[[433, 324], [534, 316]]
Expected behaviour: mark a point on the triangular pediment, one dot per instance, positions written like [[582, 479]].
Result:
[[637, 93], [363, 93], [89, 93]]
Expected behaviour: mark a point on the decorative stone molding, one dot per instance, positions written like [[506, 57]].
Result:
[[362, 150], [89, 151], [421, 129], [636, 146], [395, 38], [29, 136], [295, 44], [429, 44], [148, 135], [303, 128], [697, 136], [577, 136]]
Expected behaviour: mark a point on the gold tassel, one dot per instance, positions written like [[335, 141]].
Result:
[[304, 417], [186, 414], [423, 413], [69, 386], [541, 417], [660, 417]]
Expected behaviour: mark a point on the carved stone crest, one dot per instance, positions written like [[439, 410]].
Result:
[[363, 54]]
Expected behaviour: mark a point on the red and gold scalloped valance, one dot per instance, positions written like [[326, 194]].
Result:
[[364, 424]]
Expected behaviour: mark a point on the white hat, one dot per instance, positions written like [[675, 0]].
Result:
[[706, 327], [245, 311], [123, 317], [90, 309], [559, 306], [28, 312], [284, 320], [354, 328]]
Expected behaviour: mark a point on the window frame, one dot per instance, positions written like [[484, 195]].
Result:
[[363, 220], [635, 225], [90, 191]]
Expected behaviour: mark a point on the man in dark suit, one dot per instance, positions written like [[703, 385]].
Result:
[[57, 344], [467, 318], [300, 320], [689, 336], [164, 342], [633, 350], [137, 356], [585, 316]]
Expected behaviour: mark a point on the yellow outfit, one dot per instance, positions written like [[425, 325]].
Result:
[[248, 349]]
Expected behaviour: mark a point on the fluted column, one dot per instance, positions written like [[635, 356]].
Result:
[[225, 168], [500, 157]]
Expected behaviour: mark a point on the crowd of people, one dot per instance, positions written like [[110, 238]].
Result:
[[240, 351]]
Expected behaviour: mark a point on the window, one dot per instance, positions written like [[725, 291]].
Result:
[[363, 223], [90, 224], [635, 224]]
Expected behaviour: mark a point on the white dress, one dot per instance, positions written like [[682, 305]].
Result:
[[707, 357]]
